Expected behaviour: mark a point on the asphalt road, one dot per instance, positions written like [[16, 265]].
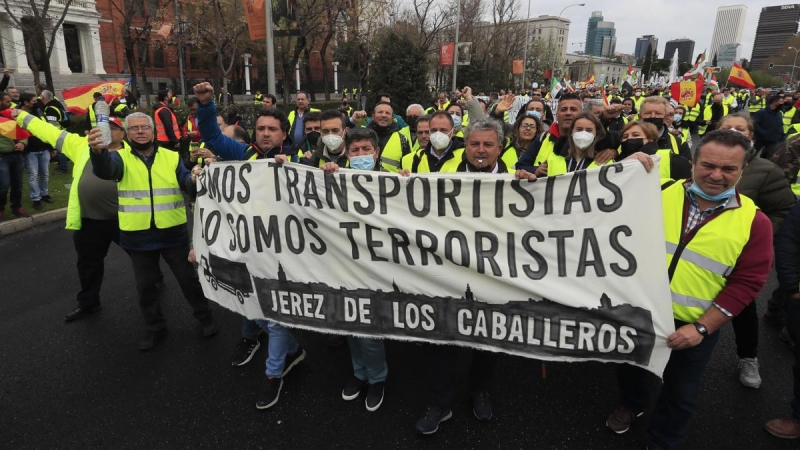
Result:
[[86, 385]]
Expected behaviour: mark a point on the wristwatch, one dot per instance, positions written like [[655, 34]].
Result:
[[701, 329]]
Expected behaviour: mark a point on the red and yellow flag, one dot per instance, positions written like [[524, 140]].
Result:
[[741, 77], [78, 99], [9, 129], [687, 93], [590, 80]]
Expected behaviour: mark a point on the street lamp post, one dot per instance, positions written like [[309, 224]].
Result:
[[455, 49], [559, 28], [246, 57], [525, 50], [335, 77], [796, 51]]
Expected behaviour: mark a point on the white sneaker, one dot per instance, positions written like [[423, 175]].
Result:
[[748, 373]]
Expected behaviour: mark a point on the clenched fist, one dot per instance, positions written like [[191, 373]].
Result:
[[204, 92]]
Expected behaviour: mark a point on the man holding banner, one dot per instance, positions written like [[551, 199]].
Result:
[[719, 251], [272, 129]]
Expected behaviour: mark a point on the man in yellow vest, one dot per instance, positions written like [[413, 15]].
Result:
[[258, 98], [92, 207], [654, 110], [712, 113], [757, 101], [443, 152], [152, 220], [719, 254], [91, 115], [272, 128]]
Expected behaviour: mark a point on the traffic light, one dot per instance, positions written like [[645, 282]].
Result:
[[770, 66]]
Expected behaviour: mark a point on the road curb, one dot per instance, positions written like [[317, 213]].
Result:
[[26, 223]]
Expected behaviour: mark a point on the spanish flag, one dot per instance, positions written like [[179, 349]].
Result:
[[9, 129], [78, 99], [687, 92], [590, 80], [741, 77]]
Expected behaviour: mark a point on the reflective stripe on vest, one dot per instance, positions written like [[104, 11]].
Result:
[[93, 116], [392, 153], [161, 133], [756, 104], [150, 196], [710, 255]]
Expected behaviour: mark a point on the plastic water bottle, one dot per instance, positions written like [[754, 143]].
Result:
[[102, 112]]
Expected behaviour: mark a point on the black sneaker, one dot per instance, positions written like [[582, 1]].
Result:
[[481, 405], [269, 396], [353, 389], [293, 359], [245, 350], [374, 396], [151, 339], [37, 205], [47, 199], [620, 420], [435, 415]]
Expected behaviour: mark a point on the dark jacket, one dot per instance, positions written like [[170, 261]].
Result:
[[787, 252], [763, 181], [768, 125]]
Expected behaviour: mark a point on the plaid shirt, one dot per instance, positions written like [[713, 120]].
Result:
[[697, 216]]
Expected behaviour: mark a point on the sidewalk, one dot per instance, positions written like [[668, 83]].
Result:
[[11, 226]]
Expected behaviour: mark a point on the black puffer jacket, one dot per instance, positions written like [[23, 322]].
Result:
[[764, 182]]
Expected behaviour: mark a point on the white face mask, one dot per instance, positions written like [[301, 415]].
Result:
[[439, 140], [582, 139], [332, 141]]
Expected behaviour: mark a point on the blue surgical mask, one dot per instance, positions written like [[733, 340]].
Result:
[[695, 189], [534, 113], [677, 118], [456, 119], [365, 162]]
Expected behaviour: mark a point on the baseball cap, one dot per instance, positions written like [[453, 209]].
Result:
[[115, 121]]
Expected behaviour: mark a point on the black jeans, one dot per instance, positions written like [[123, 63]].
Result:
[[441, 372], [793, 325], [11, 172], [745, 327], [147, 273], [91, 244], [683, 380]]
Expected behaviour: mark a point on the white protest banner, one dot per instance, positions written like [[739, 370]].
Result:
[[566, 268]]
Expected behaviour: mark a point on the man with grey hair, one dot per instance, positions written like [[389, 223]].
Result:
[[152, 219], [413, 113], [484, 143], [654, 110]]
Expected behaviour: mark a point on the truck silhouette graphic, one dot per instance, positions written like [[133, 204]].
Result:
[[231, 276]]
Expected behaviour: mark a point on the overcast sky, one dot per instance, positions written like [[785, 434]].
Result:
[[666, 19]]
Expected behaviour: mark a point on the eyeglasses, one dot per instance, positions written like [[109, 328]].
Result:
[[528, 126], [136, 128]]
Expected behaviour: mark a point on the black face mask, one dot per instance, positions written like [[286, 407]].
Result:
[[412, 122], [631, 146], [313, 138], [141, 147], [344, 104], [657, 121]]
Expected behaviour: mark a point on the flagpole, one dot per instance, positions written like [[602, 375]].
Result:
[[455, 49]]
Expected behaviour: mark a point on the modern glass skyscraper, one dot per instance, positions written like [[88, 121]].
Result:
[[601, 37], [776, 25], [728, 28]]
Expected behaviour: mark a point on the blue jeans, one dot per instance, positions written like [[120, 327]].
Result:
[[250, 329], [683, 381], [62, 160], [281, 343], [11, 168], [369, 359], [38, 166]]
